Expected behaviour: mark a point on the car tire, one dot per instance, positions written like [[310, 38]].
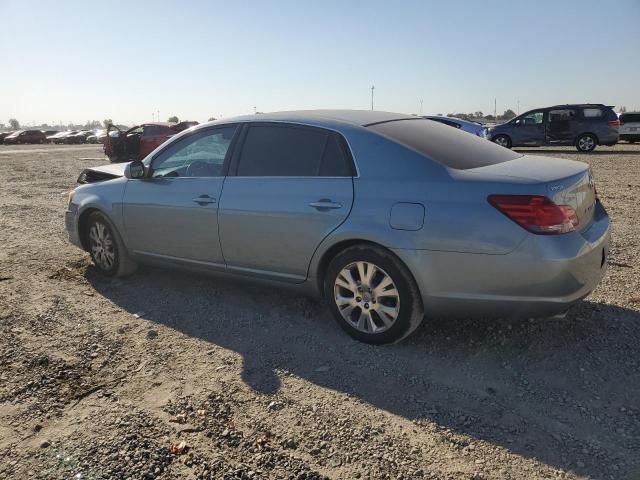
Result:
[[107, 249], [502, 140], [586, 143], [383, 307]]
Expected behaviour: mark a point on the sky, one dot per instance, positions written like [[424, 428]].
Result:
[[72, 61]]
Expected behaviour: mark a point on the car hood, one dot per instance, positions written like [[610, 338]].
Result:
[[102, 173]]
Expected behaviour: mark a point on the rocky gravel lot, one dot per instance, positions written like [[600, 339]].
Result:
[[173, 375]]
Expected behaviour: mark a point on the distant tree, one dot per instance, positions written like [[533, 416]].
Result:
[[439, 114], [173, 119], [478, 115], [508, 114], [490, 118], [44, 125], [14, 124], [623, 109], [211, 119], [106, 122]]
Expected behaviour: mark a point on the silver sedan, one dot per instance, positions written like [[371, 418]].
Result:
[[384, 216]]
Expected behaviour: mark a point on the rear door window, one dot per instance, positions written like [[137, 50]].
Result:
[[563, 115], [592, 113], [292, 151], [448, 146]]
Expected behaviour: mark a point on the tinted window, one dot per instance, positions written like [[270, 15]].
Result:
[[561, 115], [291, 151], [451, 147], [199, 155], [336, 161], [630, 117], [592, 112]]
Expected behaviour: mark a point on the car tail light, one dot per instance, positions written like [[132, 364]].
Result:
[[614, 123], [536, 213]]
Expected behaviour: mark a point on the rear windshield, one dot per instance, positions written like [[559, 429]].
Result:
[[630, 117], [448, 146]]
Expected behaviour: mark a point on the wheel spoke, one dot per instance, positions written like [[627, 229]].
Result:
[[366, 272], [346, 280], [363, 321], [387, 313]]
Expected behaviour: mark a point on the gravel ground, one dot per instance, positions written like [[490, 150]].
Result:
[[173, 375]]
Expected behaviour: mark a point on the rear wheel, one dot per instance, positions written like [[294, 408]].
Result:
[[107, 250], [586, 143], [372, 295], [502, 140]]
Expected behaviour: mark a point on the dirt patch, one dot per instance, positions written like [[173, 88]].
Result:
[[172, 375]]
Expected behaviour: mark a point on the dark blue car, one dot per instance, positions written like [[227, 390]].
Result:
[[584, 126]]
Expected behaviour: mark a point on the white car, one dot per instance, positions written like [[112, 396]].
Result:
[[464, 125], [629, 128]]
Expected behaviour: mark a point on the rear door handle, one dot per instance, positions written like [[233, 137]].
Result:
[[204, 200], [325, 205]]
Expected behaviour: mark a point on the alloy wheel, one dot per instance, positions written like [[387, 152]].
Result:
[[102, 246], [502, 141], [586, 143], [367, 297]]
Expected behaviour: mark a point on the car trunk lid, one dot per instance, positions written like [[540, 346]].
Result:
[[578, 192], [566, 182]]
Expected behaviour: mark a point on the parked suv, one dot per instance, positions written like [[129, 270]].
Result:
[[584, 126], [630, 127], [26, 136]]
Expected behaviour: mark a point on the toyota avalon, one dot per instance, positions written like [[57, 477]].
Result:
[[387, 217]]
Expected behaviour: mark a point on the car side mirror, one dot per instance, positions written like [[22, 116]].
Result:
[[134, 170], [517, 123]]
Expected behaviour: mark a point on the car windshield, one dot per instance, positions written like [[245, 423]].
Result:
[[448, 146]]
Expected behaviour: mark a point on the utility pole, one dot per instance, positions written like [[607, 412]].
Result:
[[495, 109], [372, 88]]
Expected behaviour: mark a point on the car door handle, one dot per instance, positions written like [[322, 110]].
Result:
[[325, 205], [204, 200]]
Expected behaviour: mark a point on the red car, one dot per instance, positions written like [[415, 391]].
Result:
[[137, 142]]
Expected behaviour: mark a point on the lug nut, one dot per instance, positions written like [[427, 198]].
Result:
[[358, 299]]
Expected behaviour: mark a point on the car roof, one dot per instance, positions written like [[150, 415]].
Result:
[[361, 118], [574, 105]]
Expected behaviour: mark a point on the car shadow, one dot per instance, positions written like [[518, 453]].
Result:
[[564, 391], [574, 151]]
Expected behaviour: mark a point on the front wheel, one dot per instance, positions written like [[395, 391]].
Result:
[[107, 250], [586, 143], [372, 295], [502, 140]]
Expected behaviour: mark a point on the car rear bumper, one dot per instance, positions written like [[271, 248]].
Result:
[[71, 224], [543, 276]]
